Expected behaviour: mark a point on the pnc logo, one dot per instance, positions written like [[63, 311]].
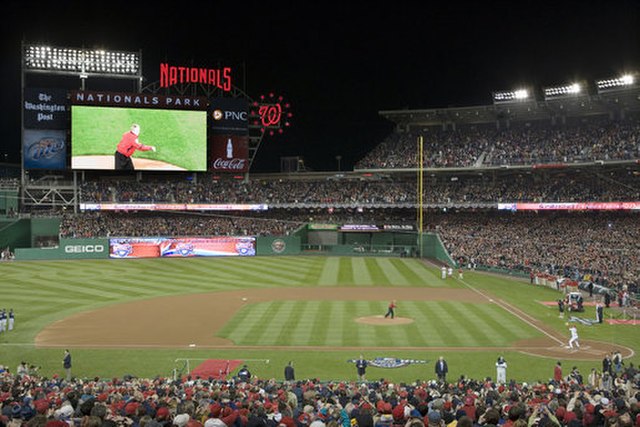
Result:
[[218, 115]]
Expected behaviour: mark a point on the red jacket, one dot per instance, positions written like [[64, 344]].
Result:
[[129, 144], [557, 373]]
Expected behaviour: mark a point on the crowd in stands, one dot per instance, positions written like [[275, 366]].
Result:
[[621, 185], [105, 224], [32, 400], [519, 145], [606, 245]]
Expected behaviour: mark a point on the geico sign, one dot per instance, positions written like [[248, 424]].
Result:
[[78, 249]]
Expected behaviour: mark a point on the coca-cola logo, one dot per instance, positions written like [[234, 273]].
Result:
[[235, 164], [45, 148]]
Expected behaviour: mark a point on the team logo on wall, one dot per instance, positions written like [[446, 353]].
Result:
[[121, 250], [246, 247], [278, 246], [184, 249]]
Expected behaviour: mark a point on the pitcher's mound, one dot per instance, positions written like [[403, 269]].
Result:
[[381, 320]]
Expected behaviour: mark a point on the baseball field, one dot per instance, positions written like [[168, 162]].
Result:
[[146, 317]]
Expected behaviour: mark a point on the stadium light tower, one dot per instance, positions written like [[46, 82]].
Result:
[[570, 90], [83, 63], [620, 83], [512, 96]]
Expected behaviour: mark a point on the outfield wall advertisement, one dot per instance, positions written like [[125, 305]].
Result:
[[162, 247], [68, 249]]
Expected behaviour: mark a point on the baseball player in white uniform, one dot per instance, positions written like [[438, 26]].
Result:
[[574, 337]]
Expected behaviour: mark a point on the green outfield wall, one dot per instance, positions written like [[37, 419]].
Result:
[[68, 249], [278, 245]]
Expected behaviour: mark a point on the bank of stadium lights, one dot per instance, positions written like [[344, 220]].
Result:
[[623, 82], [511, 96], [81, 61], [564, 91]]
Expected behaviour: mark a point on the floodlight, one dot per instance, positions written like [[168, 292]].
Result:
[[623, 82], [81, 61], [564, 91], [511, 96]]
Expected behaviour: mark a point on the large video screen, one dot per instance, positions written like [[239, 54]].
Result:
[[172, 140]]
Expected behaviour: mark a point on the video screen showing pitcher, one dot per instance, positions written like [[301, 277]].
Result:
[[128, 146]]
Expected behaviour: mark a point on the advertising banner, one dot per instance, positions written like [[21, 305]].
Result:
[[44, 149], [46, 108], [229, 114], [229, 153], [181, 247]]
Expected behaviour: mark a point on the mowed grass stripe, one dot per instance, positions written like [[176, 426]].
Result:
[[427, 329], [307, 312], [278, 273], [360, 272], [321, 323], [425, 275], [445, 330], [345, 271], [241, 328], [365, 334], [419, 329], [410, 276], [279, 330], [74, 288], [506, 324], [289, 265], [395, 277], [476, 323], [249, 273], [336, 325], [375, 271], [329, 273]]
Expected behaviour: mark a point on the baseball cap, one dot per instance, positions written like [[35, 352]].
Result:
[[434, 417], [181, 420]]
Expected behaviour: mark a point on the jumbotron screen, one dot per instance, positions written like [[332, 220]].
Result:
[[172, 140]]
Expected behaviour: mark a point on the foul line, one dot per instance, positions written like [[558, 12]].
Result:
[[508, 309]]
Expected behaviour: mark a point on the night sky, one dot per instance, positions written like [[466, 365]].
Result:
[[339, 64]]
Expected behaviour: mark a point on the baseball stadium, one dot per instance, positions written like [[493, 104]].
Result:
[[136, 237]]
